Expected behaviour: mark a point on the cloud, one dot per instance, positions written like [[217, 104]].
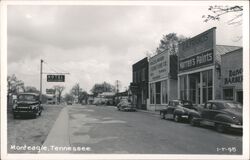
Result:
[[95, 43]]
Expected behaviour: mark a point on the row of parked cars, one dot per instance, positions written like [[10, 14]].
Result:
[[222, 114]]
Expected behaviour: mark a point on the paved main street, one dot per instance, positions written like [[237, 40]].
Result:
[[104, 129], [107, 130]]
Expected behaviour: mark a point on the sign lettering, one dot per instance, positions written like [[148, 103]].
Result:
[[55, 78], [199, 60], [234, 76]]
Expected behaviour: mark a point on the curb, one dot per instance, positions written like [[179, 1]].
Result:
[[149, 112], [58, 135]]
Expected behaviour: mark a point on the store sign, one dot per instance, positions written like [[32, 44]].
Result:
[[55, 78], [234, 76], [158, 67], [50, 91], [198, 44], [199, 60]]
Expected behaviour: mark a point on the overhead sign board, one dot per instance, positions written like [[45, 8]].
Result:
[[198, 44], [55, 78], [195, 61], [158, 67]]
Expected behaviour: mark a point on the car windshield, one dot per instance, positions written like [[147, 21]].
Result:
[[27, 97], [233, 105], [186, 103]]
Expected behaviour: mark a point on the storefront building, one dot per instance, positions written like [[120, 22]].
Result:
[[232, 75], [139, 86], [162, 80], [199, 67]]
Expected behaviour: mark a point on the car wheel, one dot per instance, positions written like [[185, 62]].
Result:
[[162, 115], [193, 122], [220, 128], [40, 113], [35, 116], [15, 116], [176, 118]]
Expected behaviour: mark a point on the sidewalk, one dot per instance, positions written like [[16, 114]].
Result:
[[59, 135]]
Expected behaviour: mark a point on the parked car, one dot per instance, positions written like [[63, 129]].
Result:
[[125, 105], [27, 104], [69, 102], [222, 114], [177, 110]]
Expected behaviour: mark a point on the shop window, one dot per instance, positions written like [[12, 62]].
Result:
[[164, 89], [158, 92], [240, 97], [228, 94], [152, 93], [183, 87], [207, 85], [143, 76]]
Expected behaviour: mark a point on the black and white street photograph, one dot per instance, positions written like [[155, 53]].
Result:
[[125, 80]]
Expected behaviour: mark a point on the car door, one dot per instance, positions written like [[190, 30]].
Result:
[[170, 107], [215, 110], [205, 114]]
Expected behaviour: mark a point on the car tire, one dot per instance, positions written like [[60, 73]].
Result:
[[40, 113], [176, 118], [162, 115], [192, 121], [15, 116], [35, 116], [220, 128]]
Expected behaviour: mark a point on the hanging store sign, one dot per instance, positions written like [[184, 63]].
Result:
[[199, 60], [55, 78], [158, 67]]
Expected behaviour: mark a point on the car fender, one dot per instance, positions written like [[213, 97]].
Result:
[[223, 118], [194, 114], [179, 111]]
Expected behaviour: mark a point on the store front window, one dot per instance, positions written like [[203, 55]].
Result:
[[152, 93], [183, 87], [158, 92], [164, 89], [228, 94], [194, 82], [207, 85]]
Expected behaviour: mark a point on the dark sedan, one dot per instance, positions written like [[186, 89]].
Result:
[[177, 109], [222, 114], [27, 104]]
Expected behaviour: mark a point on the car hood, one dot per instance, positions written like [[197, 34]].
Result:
[[22, 103], [237, 112]]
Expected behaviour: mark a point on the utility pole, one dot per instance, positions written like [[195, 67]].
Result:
[[117, 86], [41, 77]]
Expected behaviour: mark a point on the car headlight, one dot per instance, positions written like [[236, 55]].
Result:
[[14, 106]]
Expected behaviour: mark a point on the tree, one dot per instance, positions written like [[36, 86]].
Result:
[[14, 86], [103, 87], [83, 96], [76, 90], [31, 89], [219, 11], [68, 97], [170, 43], [59, 89]]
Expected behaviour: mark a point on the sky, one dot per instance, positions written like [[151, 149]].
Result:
[[97, 43]]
